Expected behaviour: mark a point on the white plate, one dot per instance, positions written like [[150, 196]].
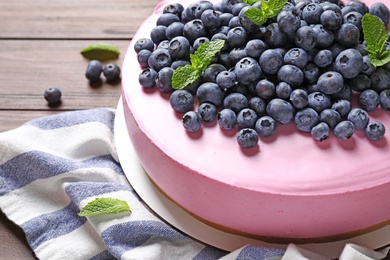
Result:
[[180, 219]]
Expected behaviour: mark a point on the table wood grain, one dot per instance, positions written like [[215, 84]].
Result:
[[40, 44]]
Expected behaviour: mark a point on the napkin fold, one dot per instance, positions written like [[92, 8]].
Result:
[[53, 166]]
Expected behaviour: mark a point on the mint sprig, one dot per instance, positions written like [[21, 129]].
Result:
[[200, 60], [104, 206], [268, 9], [376, 36]]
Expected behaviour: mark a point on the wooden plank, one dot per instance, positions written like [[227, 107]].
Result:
[[86, 19], [27, 68]]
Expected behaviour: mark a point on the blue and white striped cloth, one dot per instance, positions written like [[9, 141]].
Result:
[[52, 166]]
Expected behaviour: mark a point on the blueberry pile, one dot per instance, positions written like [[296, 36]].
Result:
[[304, 66]]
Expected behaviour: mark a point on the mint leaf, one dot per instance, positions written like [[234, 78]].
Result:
[[250, 2], [184, 76], [268, 9], [375, 35], [200, 60], [104, 206]]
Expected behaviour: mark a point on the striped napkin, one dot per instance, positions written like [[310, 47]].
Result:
[[53, 166]]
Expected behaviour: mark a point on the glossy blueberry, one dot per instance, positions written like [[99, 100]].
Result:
[[247, 138], [144, 44], [290, 74], [283, 90], [246, 118], [359, 118], [265, 89], [225, 18], [175, 8], [375, 130], [306, 38], [143, 57], [385, 99], [237, 54], [237, 8], [331, 19], [210, 92], [311, 13], [347, 9], [305, 119], [227, 119], [164, 79], [349, 63], [348, 35], [266, 126], [331, 5], [360, 6], [330, 82], [330, 117], [297, 57], [174, 29], [226, 79], [367, 67], [380, 80], [112, 72], [179, 63], [163, 45], [353, 17], [179, 48], [147, 78], [319, 101], [195, 10], [247, 70], [254, 48], [342, 106], [369, 100], [158, 34], [281, 110], [271, 61], [208, 112], [258, 105], [228, 5], [199, 41], [52, 95], [299, 98], [324, 37], [381, 10], [211, 72], [274, 36], [237, 37], [166, 19], [235, 101], [311, 73], [94, 70], [192, 121], [159, 59], [323, 58], [289, 20], [211, 19], [194, 29], [234, 22], [344, 130], [181, 100], [320, 131]]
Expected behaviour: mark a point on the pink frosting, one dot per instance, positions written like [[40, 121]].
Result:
[[289, 186]]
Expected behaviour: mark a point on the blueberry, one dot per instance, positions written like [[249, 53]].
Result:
[[228, 5], [94, 70], [194, 29], [369, 100], [306, 38], [320, 131], [311, 73], [324, 37], [331, 19], [158, 34], [305, 119], [367, 67], [225, 18], [274, 36], [381, 10], [163, 45], [227, 119], [360, 6], [235, 101], [375, 130], [52, 95], [226, 79], [289, 20], [210, 92], [342, 106], [211, 19], [147, 78], [323, 58], [175, 8], [297, 57], [199, 41], [344, 93], [266, 126], [192, 121], [359, 83], [330, 82], [312, 12], [164, 79], [299, 98], [246, 118], [380, 80], [344, 130], [144, 44], [319, 101], [348, 35], [174, 29], [290, 74], [354, 18], [179, 63], [245, 22], [181, 100], [166, 19], [271, 61], [254, 48], [330, 116], [247, 138], [143, 57], [281, 110], [159, 59], [237, 37], [236, 54], [112, 72], [258, 105], [234, 22], [208, 112], [359, 118], [179, 48], [385, 99], [211, 72], [265, 89], [283, 90], [349, 63], [237, 8], [247, 70]]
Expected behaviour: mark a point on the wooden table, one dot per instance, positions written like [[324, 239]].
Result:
[[40, 44]]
